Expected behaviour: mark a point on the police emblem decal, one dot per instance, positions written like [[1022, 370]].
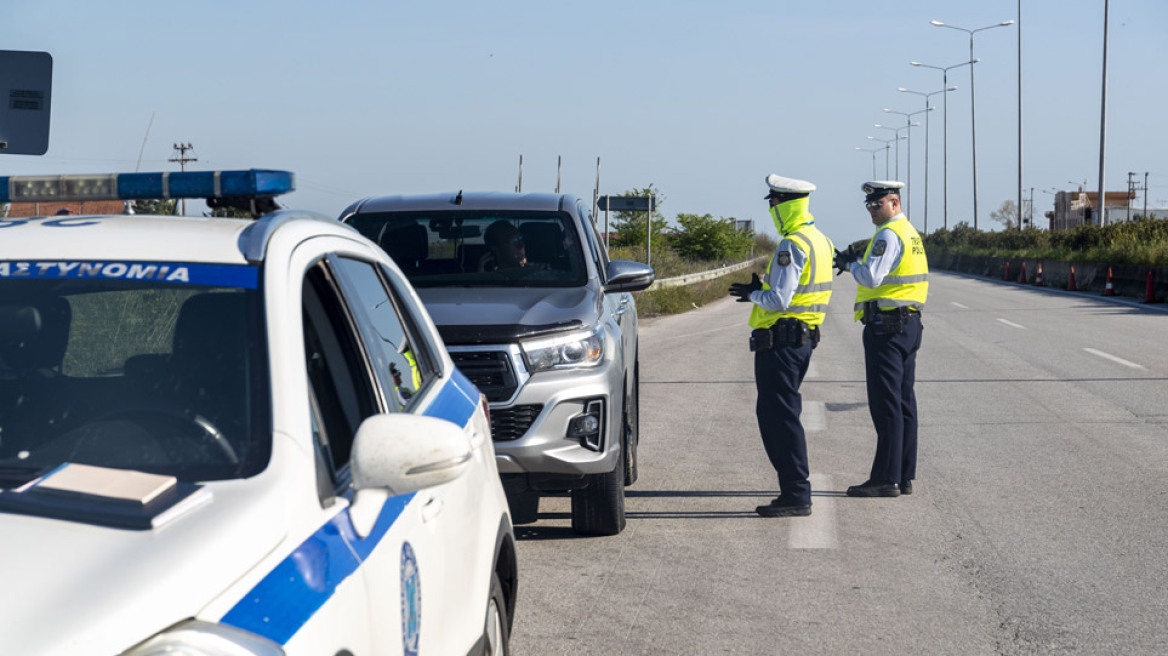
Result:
[[784, 258], [411, 601], [878, 248]]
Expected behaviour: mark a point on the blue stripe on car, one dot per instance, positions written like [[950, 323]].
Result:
[[280, 604]]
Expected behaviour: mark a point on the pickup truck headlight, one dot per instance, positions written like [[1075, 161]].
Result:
[[582, 349], [194, 638]]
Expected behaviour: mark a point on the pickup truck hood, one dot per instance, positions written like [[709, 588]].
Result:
[[72, 588], [498, 315]]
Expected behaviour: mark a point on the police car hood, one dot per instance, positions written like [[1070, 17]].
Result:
[[72, 588], [495, 315]]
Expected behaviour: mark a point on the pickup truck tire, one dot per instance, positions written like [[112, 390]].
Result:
[[496, 640], [599, 507], [632, 413]]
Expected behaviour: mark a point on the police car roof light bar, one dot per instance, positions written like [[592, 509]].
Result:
[[252, 183]]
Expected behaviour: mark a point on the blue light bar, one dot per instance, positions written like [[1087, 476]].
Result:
[[134, 186]]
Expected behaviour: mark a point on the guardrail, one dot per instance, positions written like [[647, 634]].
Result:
[[692, 278]]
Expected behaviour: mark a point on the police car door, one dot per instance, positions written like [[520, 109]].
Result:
[[440, 603], [381, 601]]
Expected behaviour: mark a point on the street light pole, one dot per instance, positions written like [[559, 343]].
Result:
[[927, 107], [873, 151], [887, 147], [1103, 119], [972, 101], [945, 124], [898, 138], [909, 126]]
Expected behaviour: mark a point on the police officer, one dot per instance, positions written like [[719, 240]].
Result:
[[893, 284], [788, 309]]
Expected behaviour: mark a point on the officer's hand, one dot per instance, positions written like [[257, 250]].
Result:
[[841, 261], [742, 290]]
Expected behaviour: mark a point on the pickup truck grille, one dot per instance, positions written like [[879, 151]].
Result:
[[490, 371], [512, 423]]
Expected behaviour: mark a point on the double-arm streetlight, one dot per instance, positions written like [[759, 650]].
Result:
[[908, 124], [873, 151], [972, 111], [887, 146], [927, 107], [898, 138], [945, 123]]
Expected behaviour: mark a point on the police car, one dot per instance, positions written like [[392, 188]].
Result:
[[232, 436]]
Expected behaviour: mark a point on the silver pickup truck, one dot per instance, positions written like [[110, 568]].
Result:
[[533, 311]]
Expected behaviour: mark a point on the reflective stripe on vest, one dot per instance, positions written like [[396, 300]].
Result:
[[813, 293], [907, 285]]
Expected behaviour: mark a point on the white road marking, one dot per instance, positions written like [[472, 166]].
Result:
[[814, 416], [963, 307], [818, 530], [1113, 358], [1012, 324], [812, 370]]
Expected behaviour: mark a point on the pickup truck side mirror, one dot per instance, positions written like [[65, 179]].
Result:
[[626, 276]]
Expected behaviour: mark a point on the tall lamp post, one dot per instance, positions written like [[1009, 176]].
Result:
[[873, 151], [945, 124], [972, 103], [926, 97], [887, 146], [908, 124]]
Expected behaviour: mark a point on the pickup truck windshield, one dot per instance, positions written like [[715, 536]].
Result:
[[479, 248], [160, 374]]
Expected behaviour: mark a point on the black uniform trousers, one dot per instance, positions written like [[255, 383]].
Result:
[[778, 373], [890, 362]]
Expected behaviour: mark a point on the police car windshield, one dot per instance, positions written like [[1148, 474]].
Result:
[[152, 375], [479, 248]]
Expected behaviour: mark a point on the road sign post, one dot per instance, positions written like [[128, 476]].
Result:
[[644, 204]]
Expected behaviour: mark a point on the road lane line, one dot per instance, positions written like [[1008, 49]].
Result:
[[814, 416], [1012, 324], [963, 307], [818, 530], [1113, 358]]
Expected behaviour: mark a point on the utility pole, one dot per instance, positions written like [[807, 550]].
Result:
[[1131, 192], [182, 160], [519, 185], [1145, 194]]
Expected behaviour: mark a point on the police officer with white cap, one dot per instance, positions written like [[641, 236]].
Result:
[[893, 284], [789, 307]]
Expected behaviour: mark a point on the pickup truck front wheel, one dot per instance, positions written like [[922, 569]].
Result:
[[599, 507]]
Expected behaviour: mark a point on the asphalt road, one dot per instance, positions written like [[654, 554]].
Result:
[[1038, 522]]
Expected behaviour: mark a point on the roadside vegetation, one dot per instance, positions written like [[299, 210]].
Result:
[[697, 243], [1138, 242]]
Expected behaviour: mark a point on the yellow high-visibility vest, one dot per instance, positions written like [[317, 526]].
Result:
[[907, 285], [809, 303]]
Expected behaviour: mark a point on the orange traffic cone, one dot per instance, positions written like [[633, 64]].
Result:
[[1038, 279], [1071, 282], [1006, 275], [1150, 294], [1109, 289], [1022, 276]]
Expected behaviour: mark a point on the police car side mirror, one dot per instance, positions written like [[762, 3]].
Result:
[[626, 276], [397, 454]]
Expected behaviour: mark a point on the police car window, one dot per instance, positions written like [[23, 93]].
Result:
[[337, 368], [479, 248], [135, 374], [400, 365], [595, 242]]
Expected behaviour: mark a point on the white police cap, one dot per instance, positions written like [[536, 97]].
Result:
[[877, 188], [780, 186]]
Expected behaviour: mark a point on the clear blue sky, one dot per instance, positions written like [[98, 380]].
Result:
[[700, 99]]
